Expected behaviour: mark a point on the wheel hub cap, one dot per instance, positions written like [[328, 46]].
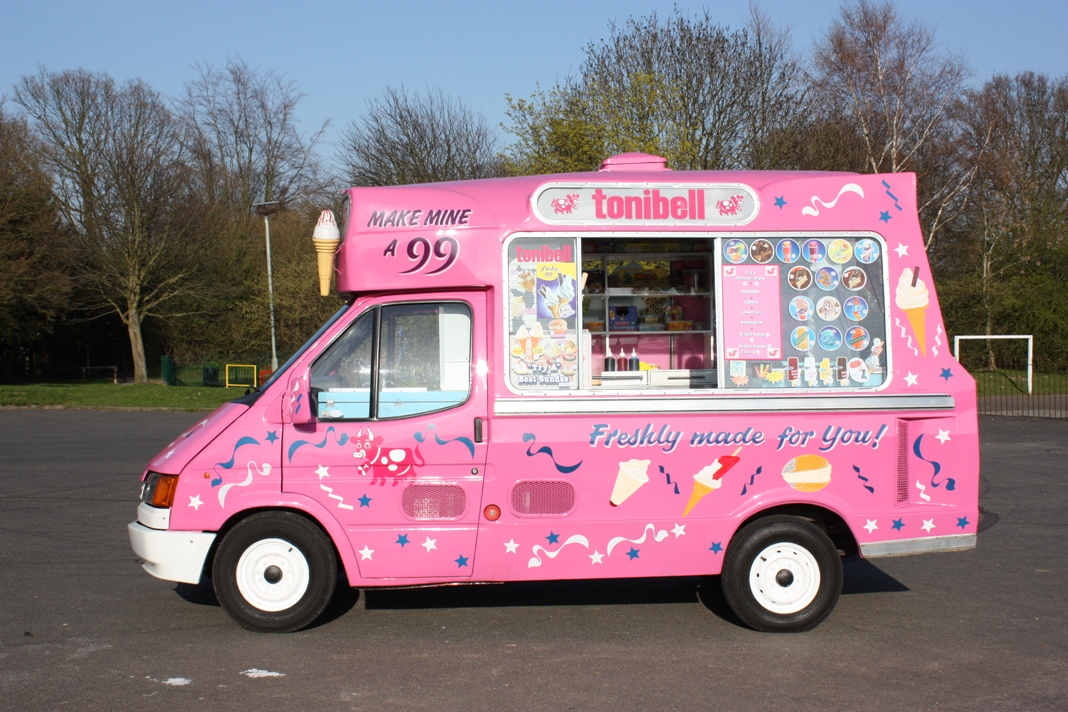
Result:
[[784, 578]]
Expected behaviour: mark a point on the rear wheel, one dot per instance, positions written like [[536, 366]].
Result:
[[782, 574], [274, 572]]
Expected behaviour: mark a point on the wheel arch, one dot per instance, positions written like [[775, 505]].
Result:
[[331, 529], [826, 519]]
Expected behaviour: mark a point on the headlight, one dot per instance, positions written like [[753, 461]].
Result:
[[158, 490]]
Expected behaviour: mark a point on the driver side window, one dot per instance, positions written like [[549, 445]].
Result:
[[415, 359]]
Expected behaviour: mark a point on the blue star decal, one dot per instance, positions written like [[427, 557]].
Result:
[[272, 435], [962, 522], [898, 525], [779, 202], [553, 538], [885, 216], [716, 547], [461, 561], [402, 539], [365, 501], [946, 374], [633, 553]]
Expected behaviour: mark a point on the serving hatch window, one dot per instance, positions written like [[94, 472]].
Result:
[[803, 312]]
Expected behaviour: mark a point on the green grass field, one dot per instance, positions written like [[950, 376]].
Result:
[[110, 395]]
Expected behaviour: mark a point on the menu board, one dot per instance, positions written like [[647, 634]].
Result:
[[543, 291], [803, 313]]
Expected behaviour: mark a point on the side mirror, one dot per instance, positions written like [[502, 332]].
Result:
[[299, 403]]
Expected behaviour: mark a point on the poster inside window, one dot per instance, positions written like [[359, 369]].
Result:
[[543, 311], [804, 312]]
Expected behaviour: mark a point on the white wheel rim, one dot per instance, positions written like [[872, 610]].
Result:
[[252, 580], [766, 577]]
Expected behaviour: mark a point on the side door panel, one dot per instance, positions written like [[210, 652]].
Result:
[[392, 450]]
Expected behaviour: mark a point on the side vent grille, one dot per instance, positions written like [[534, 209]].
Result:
[[539, 498], [902, 495], [434, 501]]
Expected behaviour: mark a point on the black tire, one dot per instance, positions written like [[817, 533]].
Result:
[[764, 563], [275, 572]]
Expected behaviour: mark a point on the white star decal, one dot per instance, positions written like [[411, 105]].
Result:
[[195, 502], [322, 471], [169, 453], [510, 547], [902, 250], [430, 544], [679, 530], [942, 436], [928, 525], [911, 379], [596, 556], [871, 526], [365, 552]]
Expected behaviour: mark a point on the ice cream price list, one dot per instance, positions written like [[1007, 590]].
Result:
[[803, 313]]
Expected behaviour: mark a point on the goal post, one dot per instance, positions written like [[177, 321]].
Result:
[[986, 337]]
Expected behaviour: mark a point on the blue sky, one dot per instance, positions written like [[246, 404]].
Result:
[[340, 53]]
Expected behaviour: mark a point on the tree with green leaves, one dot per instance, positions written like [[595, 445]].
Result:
[[686, 88]]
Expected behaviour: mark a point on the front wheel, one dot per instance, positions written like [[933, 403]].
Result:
[[274, 572], [782, 574]]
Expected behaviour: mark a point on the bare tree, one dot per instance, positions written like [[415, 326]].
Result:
[[120, 184], [243, 138], [34, 288], [891, 79], [407, 138]]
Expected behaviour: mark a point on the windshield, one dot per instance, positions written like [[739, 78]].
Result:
[[250, 398]]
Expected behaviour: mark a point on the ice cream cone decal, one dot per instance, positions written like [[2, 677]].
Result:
[[325, 238], [708, 478], [632, 475], [912, 297]]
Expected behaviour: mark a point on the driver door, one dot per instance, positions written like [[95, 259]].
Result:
[[395, 449]]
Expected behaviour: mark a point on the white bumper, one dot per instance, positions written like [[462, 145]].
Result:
[[172, 556]]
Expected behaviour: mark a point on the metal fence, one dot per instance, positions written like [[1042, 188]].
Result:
[[239, 373], [1000, 369]]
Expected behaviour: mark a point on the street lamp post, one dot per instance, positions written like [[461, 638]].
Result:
[[267, 209]]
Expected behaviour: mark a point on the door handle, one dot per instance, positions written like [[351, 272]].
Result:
[[478, 430]]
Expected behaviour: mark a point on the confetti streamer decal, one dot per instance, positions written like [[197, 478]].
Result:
[[668, 475], [938, 340], [465, 441], [264, 470], [660, 536], [217, 480], [926, 497], [907, 336], [863, 479], [892, 196], [752, 479], [340, 440], [847, 188], [949, 482], [538, 550], [531, 452], [340, 500]]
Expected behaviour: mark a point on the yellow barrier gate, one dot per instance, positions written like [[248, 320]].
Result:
[[241, 374]]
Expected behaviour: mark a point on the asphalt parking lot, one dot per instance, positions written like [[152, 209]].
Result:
[[83, 627]]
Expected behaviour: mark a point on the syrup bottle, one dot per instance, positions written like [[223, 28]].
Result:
[[634, 364], [622, 364]]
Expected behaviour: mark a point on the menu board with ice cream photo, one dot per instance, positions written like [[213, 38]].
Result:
[[803, 312], [543, 313]]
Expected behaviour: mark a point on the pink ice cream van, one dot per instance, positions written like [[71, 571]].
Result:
[[635, 372]]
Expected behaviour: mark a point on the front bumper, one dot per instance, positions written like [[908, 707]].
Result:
[[171, 555]]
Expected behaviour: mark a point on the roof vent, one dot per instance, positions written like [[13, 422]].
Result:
[[634, 162]]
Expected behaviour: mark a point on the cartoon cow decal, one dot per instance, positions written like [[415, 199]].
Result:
[[384, 463]]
